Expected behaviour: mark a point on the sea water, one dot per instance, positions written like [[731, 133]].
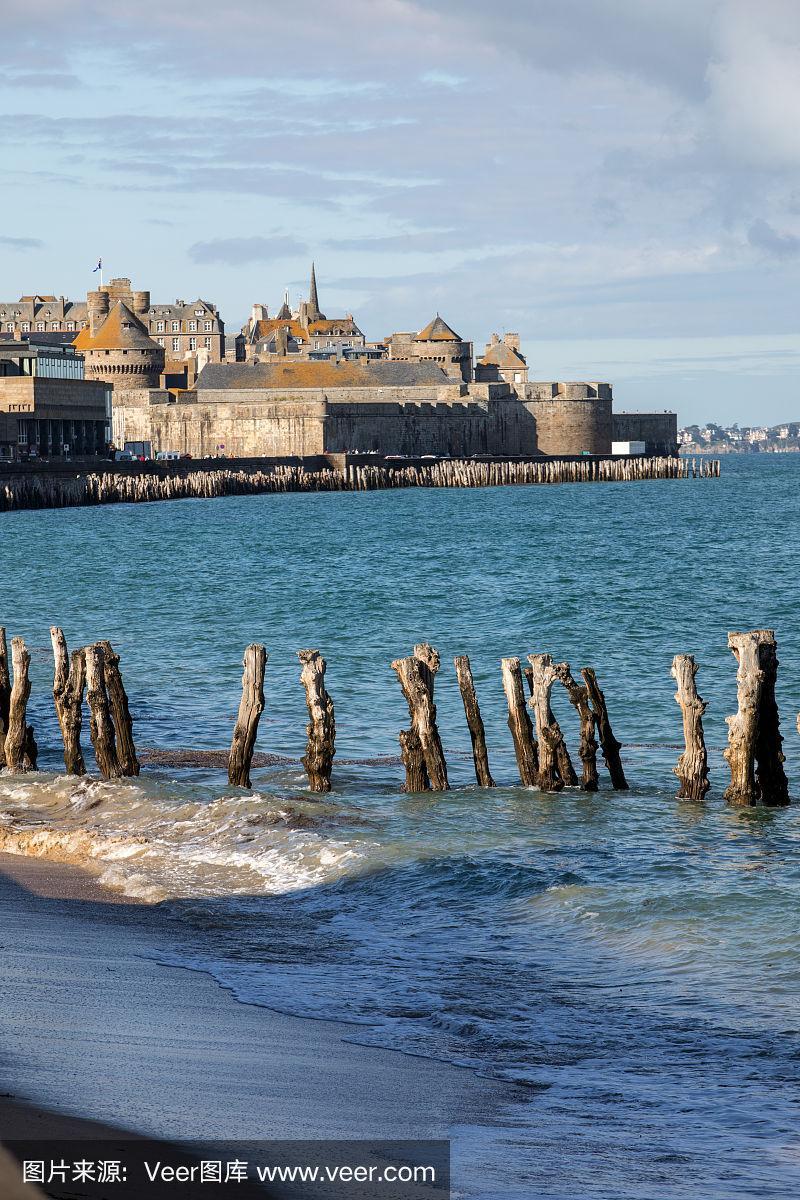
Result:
[[626, 961]]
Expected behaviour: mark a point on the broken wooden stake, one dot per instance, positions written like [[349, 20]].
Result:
[[474, 720], [754, 730], [321, 729], [578, 695], [692, 767], [101, 724], [548, 733], [5, 694], [120, 712], [770, 776], [20, 747], [69, 680], [519, 722], [416, 674], [251, 707], [608, 743]]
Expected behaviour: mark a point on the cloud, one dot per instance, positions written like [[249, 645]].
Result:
[[762, 236], [15, 243], [236, 251], [58, 80]]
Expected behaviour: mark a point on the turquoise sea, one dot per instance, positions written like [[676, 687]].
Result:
[[628, 961]]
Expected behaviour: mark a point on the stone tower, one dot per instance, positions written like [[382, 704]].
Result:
[[122, 352]]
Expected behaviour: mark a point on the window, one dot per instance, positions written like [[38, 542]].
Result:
[[176, 343], [207, 343], [9, 326], [70, 325], [159, 326], [160, 341], [207, 326], [192, 343], [26, 326], [193, 327], [198, 312], [176, 326], [55, 326], [40, 326]]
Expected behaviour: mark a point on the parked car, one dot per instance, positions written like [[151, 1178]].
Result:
[[167, 456]]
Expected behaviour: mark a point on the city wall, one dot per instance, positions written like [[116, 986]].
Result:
[[658, 431]]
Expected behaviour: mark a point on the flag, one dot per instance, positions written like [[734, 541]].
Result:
[[99, 266]]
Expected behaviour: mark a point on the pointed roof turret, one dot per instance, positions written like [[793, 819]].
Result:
[[314, 313], [121, 330], [437, 330]]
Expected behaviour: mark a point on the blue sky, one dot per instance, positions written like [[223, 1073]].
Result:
[[615, 179]]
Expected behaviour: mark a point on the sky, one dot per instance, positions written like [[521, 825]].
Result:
[[616, 180]]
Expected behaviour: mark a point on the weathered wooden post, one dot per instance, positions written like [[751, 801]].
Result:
[[321, 729], [69, 680], [519, 722], [548, 733], [101, 724], [120, 712], [5, 694], [754, 731], [579, 699], [474, 720], [20, 746], [692, 767], [251, 707], [770, 775], [608, 743], [415, 675]]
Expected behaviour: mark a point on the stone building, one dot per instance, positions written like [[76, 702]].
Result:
[[436, 343], [47, 408], [121, 352], [301, 334], [183, 328], [570, 418], [309, 408], [658, 431], [41, 314], [503, 360]]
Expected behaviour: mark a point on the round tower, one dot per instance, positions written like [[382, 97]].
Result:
[[571, 418], [123, 353], [141, 303], [97, 307]]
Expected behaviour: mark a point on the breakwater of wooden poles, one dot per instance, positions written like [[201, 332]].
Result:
[[753, 755], [118, 487]]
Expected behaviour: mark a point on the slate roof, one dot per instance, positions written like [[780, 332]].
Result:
[[502, 355], [344, 325], [263, 329], [299, 375], [121, 330], [437, 330]]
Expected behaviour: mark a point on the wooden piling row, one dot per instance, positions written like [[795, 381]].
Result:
[[754, 753], [55, 491]]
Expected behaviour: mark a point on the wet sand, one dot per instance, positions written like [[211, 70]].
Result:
[[93, 1028]]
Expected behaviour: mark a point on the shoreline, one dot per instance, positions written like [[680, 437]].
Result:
[[130, 1042]]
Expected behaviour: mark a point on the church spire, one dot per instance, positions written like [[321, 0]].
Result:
[[313, 299]]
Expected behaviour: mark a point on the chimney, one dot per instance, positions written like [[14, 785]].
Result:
[[512, 340]]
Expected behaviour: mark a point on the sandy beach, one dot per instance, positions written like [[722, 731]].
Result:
[[94, 1030]]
